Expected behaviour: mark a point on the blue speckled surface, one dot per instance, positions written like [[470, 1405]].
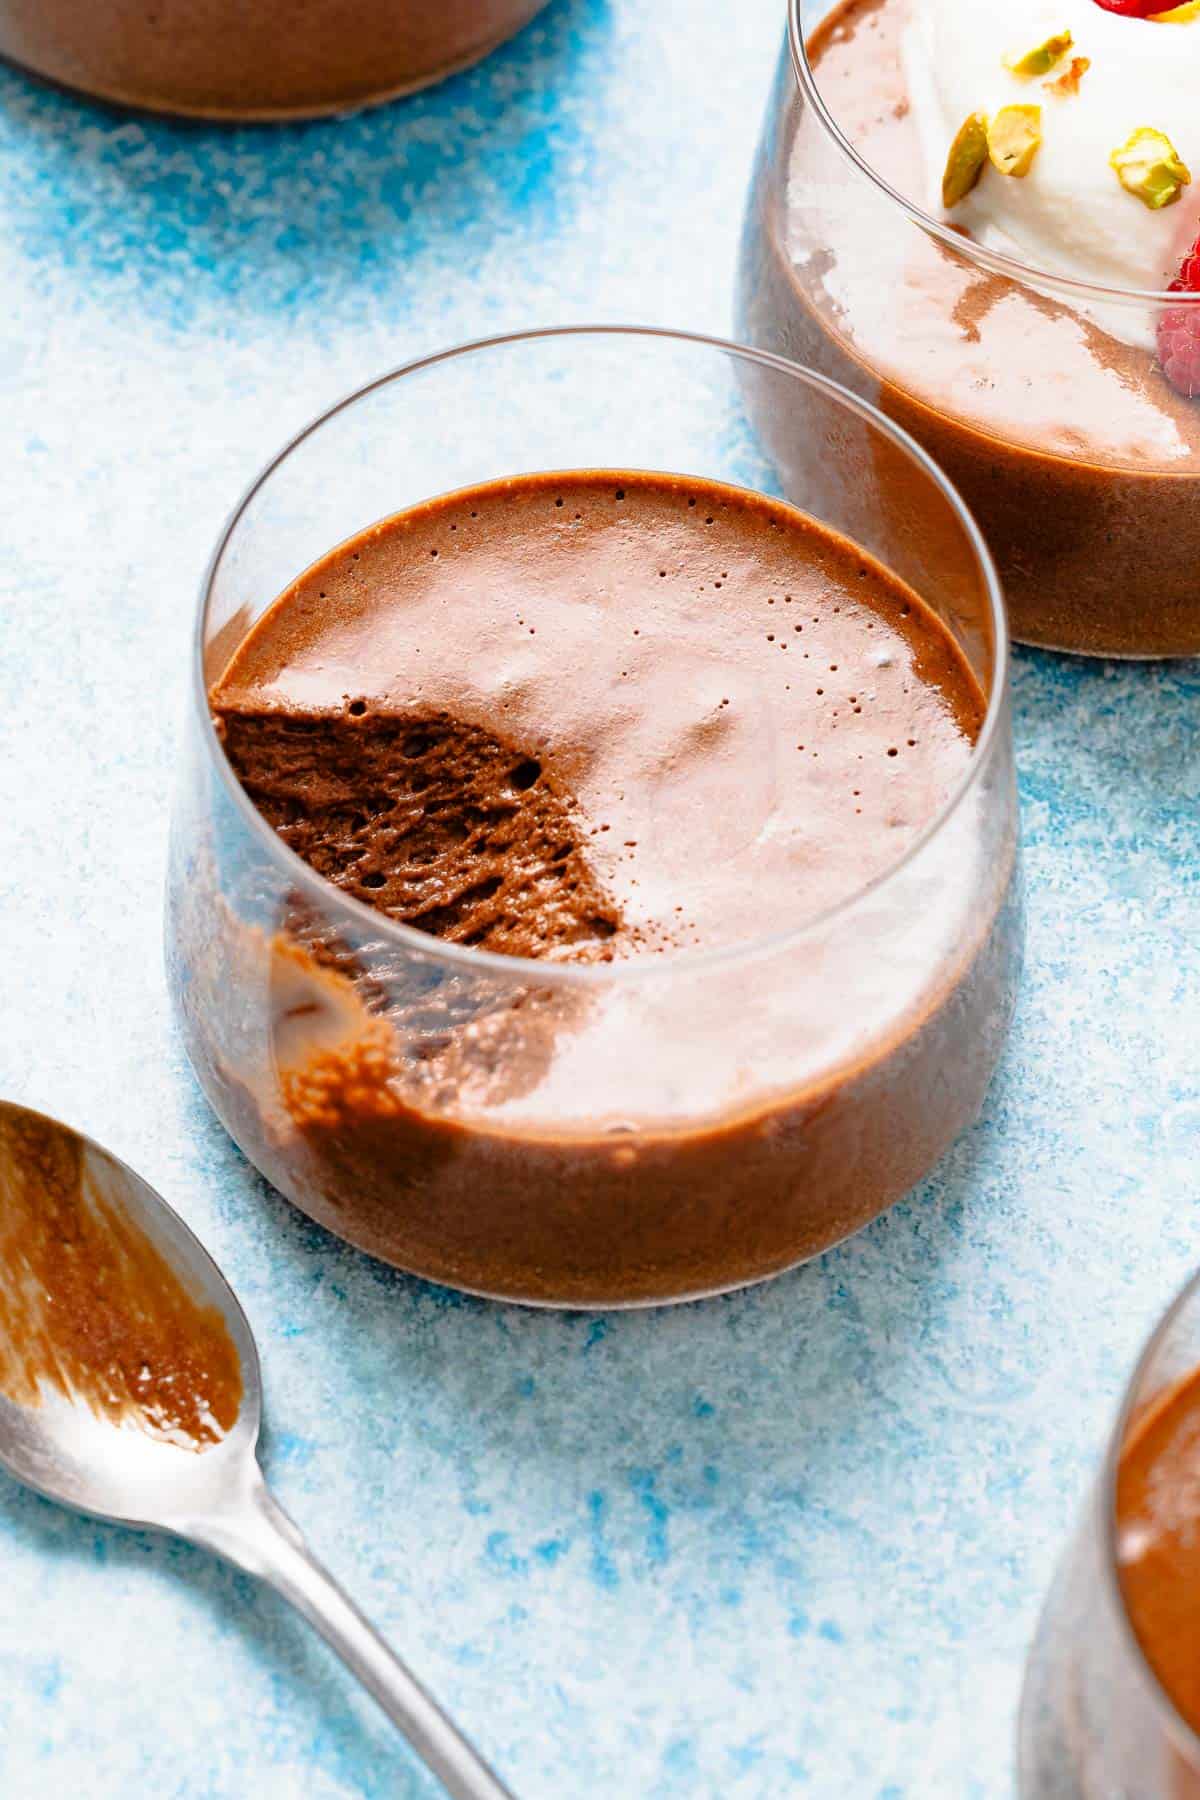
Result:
[[787, 1542]]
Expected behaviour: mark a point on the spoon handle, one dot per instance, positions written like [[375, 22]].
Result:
[[260, 1538]]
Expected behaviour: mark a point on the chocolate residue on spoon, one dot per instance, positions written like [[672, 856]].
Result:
[[90, 1307]]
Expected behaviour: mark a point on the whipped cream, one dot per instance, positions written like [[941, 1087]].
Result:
[[1069, 215]]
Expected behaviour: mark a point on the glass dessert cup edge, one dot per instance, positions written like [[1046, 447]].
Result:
[[210, 770], [1085, 1661]]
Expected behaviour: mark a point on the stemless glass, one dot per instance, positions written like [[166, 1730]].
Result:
[[1096, 1723], [1040, 395], [827, 1065], [225, 59]]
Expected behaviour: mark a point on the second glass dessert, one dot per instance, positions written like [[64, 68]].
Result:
[[1111, 1705], [986, 224], [594, 877]]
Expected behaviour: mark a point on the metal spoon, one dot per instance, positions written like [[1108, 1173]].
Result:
[[102, 1458]]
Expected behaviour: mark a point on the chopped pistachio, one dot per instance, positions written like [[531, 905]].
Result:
[[1068, 82], [1042, 58], [964, 165], [1148, 167], [1014, 139]]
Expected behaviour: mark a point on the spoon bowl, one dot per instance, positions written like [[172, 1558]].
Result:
[[130, 1389], [62, 1447]]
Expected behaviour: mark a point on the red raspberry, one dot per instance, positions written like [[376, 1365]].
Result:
[[1138, 9], [1179, 330]]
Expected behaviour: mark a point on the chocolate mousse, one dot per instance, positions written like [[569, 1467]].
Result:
[[1077, 454], [639, 738], [227, 59], [1111, 1700], [1158, 1545]]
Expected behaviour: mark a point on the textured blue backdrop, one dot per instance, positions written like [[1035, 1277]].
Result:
[[787, 1542]]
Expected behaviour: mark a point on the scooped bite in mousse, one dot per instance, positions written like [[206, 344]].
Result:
[[621, 753]]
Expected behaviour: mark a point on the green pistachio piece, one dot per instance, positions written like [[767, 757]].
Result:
[[1014, 139], [1149, 167], [964, 165], [1042, 59]]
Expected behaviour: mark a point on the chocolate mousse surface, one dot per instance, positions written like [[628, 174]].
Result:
[[226, 58], [1077, 457], [1158, 1542], [602, 719], [599, 714]]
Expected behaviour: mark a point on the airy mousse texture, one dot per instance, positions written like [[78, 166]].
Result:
[[592, 721], [599, 717], [230, 59], [89, 1309], [1158, 1544], [1078, 457]]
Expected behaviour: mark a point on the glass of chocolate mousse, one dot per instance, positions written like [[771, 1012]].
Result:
[[273, 59], [1111, 1707], [987, 224], [593, 879]]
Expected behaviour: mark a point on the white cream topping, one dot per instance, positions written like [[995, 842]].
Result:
[[1069, 215]]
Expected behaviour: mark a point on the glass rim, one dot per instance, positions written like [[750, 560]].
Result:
[[1184, 1734], [995, 261], [635, 969]]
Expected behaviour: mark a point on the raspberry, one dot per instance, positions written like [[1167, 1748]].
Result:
[[1137, 9], [1179, 330]]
